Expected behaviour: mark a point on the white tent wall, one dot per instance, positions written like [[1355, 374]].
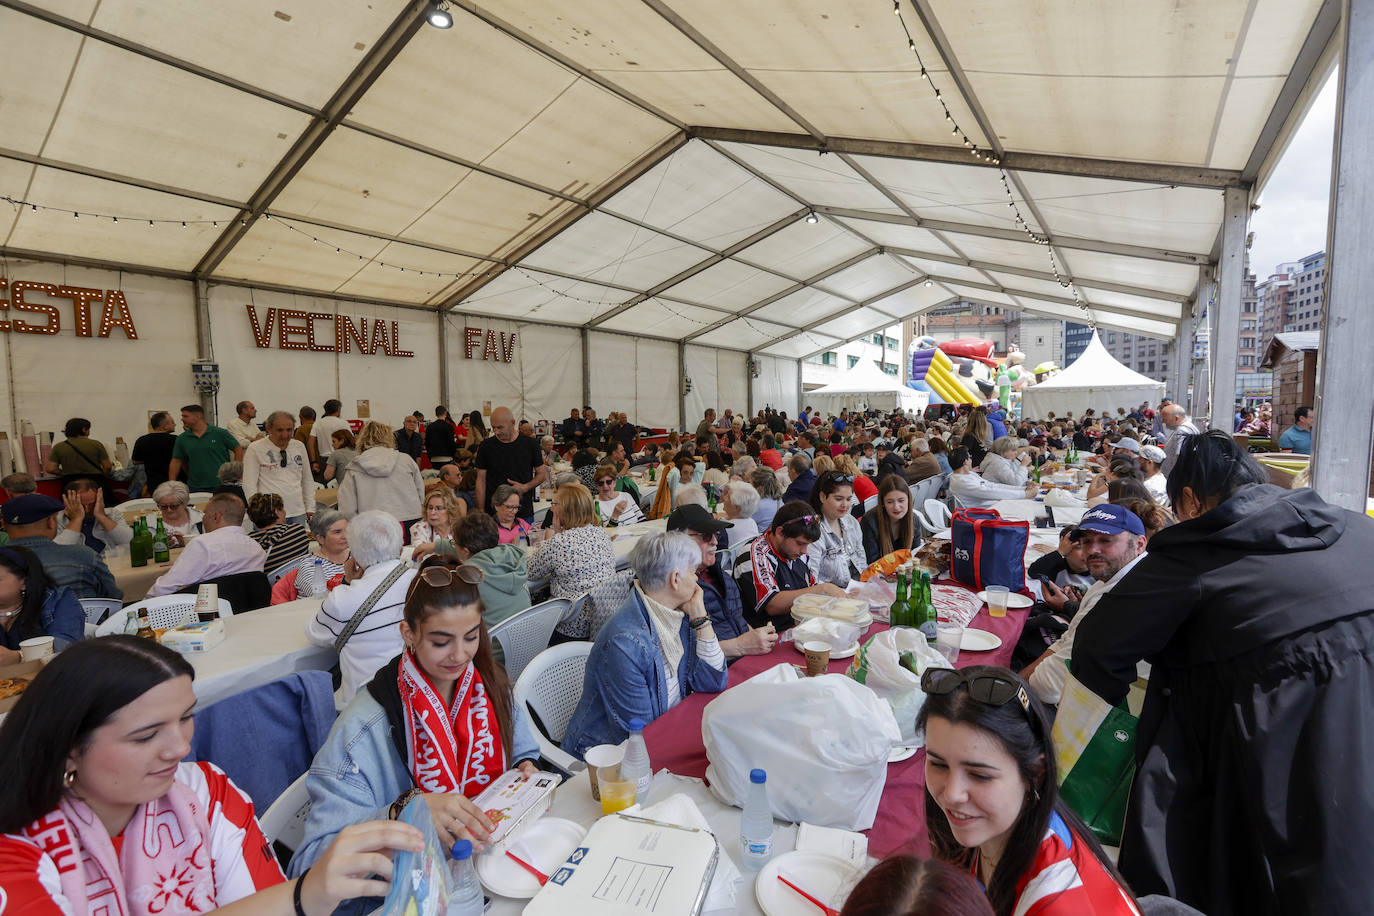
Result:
[[719, 379], [541, 382], [636, 375], [114, 382], [273, 378], [777, 385]]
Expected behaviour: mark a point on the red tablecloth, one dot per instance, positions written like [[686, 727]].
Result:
[[675, 743]]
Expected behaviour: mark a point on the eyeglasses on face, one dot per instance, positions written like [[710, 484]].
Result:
[[170, 507]]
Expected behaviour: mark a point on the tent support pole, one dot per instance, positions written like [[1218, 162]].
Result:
[[586, 367], [748, 384], [681, 387], [443, 357], [801, 392], [1344, 406], [1225, 341], [1183, 350], [205, 344]]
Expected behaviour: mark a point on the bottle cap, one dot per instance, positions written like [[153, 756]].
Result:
[[758, 777], [636, 725], [462, 850]]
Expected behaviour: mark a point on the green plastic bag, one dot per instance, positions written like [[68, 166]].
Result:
[[1094, 750]]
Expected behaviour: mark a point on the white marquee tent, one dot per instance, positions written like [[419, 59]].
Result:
[[1097, 380], [640, 191], [866, 386]]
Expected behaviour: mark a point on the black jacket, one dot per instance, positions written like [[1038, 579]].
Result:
[[440, 441], [1257, 735], [412, 444]]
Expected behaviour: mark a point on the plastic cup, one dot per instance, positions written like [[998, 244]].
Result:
[[997, 600], [616, 794], [604, 757], [817, 658], [31, 650], [948, 635]]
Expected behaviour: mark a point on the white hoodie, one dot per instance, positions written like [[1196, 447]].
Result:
[[383, 478]]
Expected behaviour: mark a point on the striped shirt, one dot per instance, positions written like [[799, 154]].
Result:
[[284, 544]]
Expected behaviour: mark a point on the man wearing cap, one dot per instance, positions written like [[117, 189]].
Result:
[[1151, 460], [718, 589], [31, 521], [1113, 540]]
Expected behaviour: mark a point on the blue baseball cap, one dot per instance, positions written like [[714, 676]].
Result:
[[1108, 519], [29, 508]]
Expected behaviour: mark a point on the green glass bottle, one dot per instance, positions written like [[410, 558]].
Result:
[[928, 612], [898, 609], [138, 552], [161, 552]]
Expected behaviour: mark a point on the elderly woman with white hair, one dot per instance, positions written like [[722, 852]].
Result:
[[179, 519], [741, 502], [658, 648], [318, 572], [373, 591], [1004, 465]]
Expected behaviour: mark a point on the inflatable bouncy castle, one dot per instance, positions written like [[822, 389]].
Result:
[[932, 370]]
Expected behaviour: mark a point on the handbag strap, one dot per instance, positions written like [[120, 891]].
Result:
[[366, 607]]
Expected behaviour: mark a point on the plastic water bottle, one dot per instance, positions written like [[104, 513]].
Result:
[[465, 894], [756, 824], [318, 585], [635, 764]]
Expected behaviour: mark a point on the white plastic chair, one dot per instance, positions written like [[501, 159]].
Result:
[[870, 502], [284, 820], [524, 635], [937, 513], [163, 613], [607, 598], [141, 506], [550, 687], [198, 500], [97, 608]]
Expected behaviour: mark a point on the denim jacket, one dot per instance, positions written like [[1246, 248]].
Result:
[[358, 774], [61, 618], [625, 680]]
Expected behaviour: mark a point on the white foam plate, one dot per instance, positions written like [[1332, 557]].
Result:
[[849, 652], [943, 534], [548, 842], [1013, 599], [826, 878], [979, 640], [901, 752]]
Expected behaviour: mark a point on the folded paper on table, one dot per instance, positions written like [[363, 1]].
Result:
[[680, 810], [629, 866]]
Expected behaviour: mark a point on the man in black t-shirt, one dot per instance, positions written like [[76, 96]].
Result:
[[154, 450], [441, 443], [505, 457]]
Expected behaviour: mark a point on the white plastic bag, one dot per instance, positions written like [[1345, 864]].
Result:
[[878, 667], [835, 633], [824, 742]]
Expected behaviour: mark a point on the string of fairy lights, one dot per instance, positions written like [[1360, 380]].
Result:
[[991, 156]]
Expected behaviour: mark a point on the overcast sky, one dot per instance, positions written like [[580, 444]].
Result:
[[1291, 220]]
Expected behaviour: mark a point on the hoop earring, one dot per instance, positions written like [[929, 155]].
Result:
[[69, 779]]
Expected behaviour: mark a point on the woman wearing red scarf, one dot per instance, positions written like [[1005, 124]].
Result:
[[100, 815], [438, 721]]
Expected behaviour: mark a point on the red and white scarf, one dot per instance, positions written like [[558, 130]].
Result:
[[165, 869], [436, 737]]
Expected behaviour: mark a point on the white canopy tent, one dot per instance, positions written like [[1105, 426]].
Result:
[[866, 387], [1097, 380]]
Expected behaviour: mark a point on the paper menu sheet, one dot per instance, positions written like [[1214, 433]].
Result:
[[631, 866], [842, 844]]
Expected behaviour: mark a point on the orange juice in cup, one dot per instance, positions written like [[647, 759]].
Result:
[[616, 794], [997, 600]]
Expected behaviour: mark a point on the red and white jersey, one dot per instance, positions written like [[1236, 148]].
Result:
[[1066, 879], [773, 574], [241, 859]]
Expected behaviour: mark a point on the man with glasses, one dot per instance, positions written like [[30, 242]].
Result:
[[280, 464], [1113, 540], [719, 592], [779, 570]]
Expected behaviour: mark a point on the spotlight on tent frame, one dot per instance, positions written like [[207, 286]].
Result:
[[812, 218], [929, 283], [438, 15]]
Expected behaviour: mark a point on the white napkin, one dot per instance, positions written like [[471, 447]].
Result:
[[680, 810], [1063, 498], [835, 633]]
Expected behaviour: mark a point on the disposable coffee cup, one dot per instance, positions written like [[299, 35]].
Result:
[[817, 658], [32, 650], [602, 756]]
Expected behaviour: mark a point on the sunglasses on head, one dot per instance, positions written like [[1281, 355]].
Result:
[[442, 576], [985, 688]]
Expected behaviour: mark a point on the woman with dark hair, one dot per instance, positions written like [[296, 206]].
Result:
[[977, 436], [477, 431], [1256, 612], [285, 543], [437, 722], [1152, 515], [992, 799], [345, 450], [940, 450], [839, 554], [101, 814], [890, 525], [908, 886], [32, 605], [1117, 469]]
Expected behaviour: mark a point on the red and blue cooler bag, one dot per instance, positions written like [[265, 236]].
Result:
[[988, 549]]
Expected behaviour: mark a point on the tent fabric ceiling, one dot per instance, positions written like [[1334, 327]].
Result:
[[649, 166]]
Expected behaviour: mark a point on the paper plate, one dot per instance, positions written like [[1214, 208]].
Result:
[[844, 653], [979, 640], [826, 878], [902, 752], [1013, 600], [942, 534], [548, 842]]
